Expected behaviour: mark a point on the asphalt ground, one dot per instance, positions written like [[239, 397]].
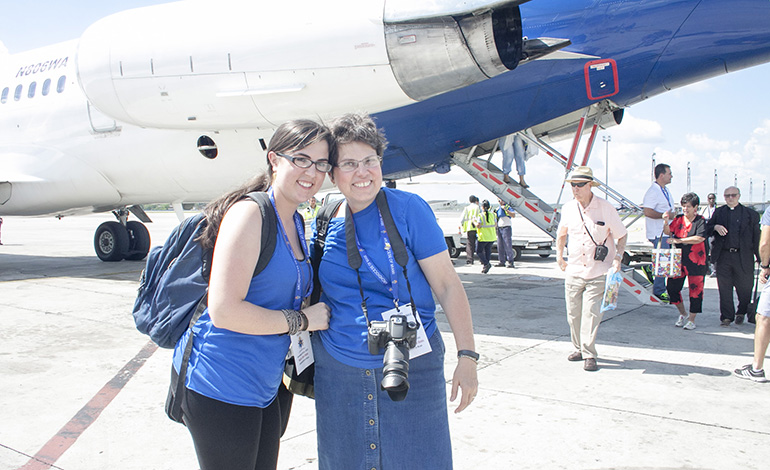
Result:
[[81, 389]]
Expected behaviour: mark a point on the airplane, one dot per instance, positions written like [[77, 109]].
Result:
[[176, 102]]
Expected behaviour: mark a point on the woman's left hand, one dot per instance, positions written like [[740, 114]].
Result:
[[466, 379]]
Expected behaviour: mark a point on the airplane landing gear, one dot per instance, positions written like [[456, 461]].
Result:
[[111, 241], [115, 241]]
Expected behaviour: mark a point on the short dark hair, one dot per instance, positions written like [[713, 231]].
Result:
[[357, 127], [690, 198], [711, 195], [473, 199], [660, 168]]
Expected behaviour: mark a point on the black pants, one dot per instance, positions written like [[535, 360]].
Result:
[[233, 437], [730, 275], [470, 246]]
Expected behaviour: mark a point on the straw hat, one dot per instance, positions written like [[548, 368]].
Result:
[[582, 174]]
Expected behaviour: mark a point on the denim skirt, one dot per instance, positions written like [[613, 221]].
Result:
[[360, 428]]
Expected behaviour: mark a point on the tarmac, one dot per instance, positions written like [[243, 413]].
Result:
[[81, 389]]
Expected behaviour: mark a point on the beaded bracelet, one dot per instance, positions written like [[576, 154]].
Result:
[[293, 320], [305, 321]]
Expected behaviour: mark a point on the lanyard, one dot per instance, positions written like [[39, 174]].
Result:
[[665, 194], [393, 287], [298, 294]]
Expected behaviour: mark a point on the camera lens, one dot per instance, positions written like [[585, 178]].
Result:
[[395, 371]]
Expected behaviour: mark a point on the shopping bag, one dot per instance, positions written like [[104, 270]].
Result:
[[611, 290], [666, 262]]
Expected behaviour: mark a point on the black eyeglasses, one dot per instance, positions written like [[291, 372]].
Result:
[[579, 185], [371, 161], [732, 195], [304, 162]]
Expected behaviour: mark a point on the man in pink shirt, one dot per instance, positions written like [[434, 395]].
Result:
[[597, 239]]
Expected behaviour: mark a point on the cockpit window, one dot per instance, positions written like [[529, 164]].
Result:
[[60, 84], [4, 96], [17, 93], [31, 90], [46, 87]]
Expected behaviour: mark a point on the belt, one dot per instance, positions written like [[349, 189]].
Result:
[[733, 250]]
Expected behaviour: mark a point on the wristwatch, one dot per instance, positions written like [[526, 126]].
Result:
[[765, 267], [472, 355]]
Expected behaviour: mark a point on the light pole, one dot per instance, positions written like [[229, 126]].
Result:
[[652, 172], [606, 139]]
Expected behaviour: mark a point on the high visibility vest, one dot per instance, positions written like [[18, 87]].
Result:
[[309, 213], [470, 214], [486, 230]]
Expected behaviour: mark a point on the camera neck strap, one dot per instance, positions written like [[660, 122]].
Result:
[[580, 211], [394, 249]]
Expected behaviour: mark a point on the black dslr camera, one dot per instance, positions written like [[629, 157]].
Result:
[[601, 252], [397, 336]]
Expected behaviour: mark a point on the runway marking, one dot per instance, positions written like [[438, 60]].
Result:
[[67, 435]]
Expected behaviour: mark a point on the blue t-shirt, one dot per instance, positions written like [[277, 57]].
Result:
[[238, 368], [765, 217], [346, 337]]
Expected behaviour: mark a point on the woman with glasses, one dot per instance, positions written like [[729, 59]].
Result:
[[688, 232], [234, 404], [359, 424]]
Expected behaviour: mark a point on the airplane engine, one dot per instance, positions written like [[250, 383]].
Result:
[[241, 64], [434, 55]]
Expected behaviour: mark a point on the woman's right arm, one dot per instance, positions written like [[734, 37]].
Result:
[[236, 253]]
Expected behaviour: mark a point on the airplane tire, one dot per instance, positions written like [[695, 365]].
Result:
[[111, 241], [138, 241]]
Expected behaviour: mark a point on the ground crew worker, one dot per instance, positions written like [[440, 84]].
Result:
[[487, 234], [311, 210], [467, 225]]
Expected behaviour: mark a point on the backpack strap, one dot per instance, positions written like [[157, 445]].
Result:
[[325, 214]]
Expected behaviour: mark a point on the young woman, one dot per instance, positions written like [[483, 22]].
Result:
[[688, 232], [240, 342], [358, 424]]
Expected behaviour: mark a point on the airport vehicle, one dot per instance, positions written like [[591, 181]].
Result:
[[543, 248], [176, 102]]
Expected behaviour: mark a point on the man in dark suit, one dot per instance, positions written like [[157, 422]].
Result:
[[736, 248]]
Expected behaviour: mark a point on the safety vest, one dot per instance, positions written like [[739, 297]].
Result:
[[309, 213], [470, 214], [486, 228]]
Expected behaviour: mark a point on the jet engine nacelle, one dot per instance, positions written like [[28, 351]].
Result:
[[243, 64]]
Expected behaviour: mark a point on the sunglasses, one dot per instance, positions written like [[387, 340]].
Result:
[[579, 185], [732, 195]]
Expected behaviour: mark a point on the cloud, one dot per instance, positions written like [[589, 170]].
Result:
[[634, 130], [3, 49], [704, 142]]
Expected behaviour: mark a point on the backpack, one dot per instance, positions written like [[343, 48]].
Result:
[[174, 283]]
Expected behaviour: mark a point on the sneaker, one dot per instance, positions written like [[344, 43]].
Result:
[[510, 265], [739, 319], [486, 268], [726, 322], [500, 265], [664, 297], [748, 372], [689, 326], [681, 320]]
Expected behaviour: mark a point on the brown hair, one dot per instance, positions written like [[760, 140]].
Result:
[[357, 127]]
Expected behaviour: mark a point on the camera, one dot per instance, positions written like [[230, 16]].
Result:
[[601, 252], [397, 335]]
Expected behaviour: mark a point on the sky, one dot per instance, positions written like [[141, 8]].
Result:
[[720, 124]]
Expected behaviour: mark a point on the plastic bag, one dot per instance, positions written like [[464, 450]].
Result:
[[611, 290]]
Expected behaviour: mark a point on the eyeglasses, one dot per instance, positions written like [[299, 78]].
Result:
[[732, 195], [372, 161], [304, 162], [579, 185]]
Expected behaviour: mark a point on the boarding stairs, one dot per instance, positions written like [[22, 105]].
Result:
[[476, 161]]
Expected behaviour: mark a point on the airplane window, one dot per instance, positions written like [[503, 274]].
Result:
[[31, 91], [46, 86], [4, 96], [60, 84], [17, 93]]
